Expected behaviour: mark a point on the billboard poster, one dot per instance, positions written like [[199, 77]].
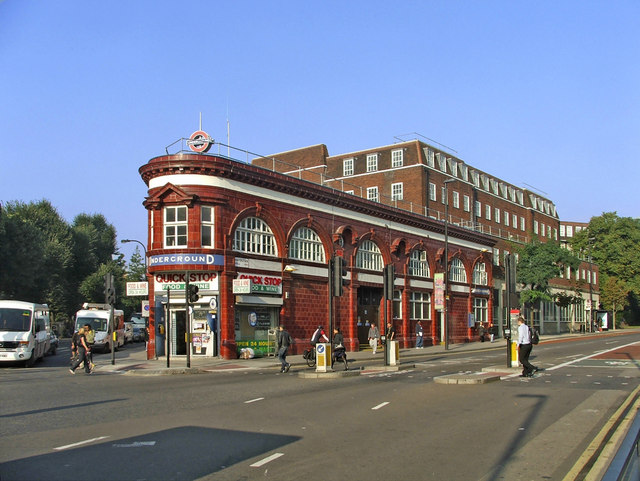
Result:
[[438, 280]]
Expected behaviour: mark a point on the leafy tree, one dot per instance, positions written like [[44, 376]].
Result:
[[613, 243], [538, 263], [35, 254], [615, 295]]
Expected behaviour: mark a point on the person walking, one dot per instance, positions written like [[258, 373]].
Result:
[[284, 341], [83, 351], [90, 337], [419, 334], [374, 335], [339, 351], [524, 348]]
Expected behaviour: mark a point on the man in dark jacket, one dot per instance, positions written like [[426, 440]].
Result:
[[284, 341]]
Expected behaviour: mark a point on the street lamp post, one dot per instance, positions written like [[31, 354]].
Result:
[[591, 323], [144, 248], [446, 262]]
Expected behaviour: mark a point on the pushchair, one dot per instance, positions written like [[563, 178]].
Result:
[[339, 354]]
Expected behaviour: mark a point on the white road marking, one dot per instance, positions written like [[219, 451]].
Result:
[[254, 400], [137, 444], [60, 448], [381, 405], [266, 460]]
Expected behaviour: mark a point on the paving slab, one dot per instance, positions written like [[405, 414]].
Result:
[[468, 378]]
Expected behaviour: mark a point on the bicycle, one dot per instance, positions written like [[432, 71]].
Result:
[[310, 356]]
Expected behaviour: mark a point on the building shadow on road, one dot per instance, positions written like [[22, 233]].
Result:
[[184, 453]]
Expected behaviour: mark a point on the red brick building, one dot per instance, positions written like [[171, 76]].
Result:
[[257, 241]]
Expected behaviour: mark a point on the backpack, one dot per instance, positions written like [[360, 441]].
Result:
[[535, 338]]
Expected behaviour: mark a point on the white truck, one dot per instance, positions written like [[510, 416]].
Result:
[[24, 331], [97, 316]]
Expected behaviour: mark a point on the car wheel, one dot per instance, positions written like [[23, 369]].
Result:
[[31, 361]]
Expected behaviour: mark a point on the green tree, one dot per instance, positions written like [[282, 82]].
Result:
[[35, 254], [614, 295], [614, 243], [538, 263]]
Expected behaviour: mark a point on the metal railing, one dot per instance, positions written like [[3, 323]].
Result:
[[311, 174]]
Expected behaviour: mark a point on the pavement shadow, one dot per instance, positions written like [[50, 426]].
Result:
[[185, 453]]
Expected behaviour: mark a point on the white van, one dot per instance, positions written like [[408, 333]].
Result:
[[98, 317], [24, 331]]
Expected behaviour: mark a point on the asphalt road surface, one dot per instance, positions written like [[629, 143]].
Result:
[[260, 424]]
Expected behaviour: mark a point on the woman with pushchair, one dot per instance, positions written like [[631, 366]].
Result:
[[339, 352]]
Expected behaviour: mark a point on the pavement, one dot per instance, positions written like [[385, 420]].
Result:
[[135, 362]]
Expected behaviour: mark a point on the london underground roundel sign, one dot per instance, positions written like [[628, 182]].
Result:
[[200, 141]]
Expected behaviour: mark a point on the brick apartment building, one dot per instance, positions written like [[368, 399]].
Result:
[[257, 240]]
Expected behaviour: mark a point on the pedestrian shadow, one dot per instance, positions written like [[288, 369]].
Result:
[[59, 408], [185, 453]]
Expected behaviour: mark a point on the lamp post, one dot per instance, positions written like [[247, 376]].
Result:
[[144, 248], [591, 324], [446, 262]]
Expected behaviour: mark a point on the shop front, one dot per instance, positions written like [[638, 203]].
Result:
[[174, 320]]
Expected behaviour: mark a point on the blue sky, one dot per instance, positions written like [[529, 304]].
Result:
[[543, 93]]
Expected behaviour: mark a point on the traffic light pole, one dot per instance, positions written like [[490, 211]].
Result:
[[187, 336]]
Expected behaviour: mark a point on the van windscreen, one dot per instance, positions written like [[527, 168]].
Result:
[[95, 323], [12, 319]]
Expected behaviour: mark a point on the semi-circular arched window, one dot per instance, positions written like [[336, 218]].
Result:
[[254, 236], [480, 274], [369, 257], [306, 245], [418, 264], [456, 271]]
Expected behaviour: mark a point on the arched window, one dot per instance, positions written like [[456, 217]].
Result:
[[306, 246], [254, 236], [369, 257], [480, 274], [456, 271], [418, 264]]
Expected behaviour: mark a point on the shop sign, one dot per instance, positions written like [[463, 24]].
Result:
[[261, 344], [199, 259], [138, 288], [242, 286], [263, 284], [177, 281], [438, 291]]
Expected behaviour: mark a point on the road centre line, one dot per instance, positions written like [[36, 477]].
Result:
[[381, 405], [254, 400], [569, 363], [266, 460], [60, 448]]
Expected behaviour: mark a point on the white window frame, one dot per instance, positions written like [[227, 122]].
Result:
[[480, 276], [306, 245], [487, 211], [369, 257], [176, 226], [397, 191], [522, 224], [478, 209], [372, 162], [372, 194], [457, 272], [419, 264], [397, 158], [254, 236], [420, 306], [432, 192], [456, 200], [347, 167], [480, 309], [207, 226], [466, 203], [506, 218], [496, 215]]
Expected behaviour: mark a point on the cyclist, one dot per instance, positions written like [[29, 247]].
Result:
[[318, 336]]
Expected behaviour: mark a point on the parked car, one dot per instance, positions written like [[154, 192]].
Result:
[[128, 332], [139, 332], [53, 346]]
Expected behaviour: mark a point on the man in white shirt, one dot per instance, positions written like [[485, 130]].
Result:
[[524, 348]]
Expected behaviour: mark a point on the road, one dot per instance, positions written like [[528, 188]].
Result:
[[260, 424]]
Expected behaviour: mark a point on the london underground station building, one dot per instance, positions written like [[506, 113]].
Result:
[[258, 237]]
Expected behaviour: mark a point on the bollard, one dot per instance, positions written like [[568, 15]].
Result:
[[323, 357]]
